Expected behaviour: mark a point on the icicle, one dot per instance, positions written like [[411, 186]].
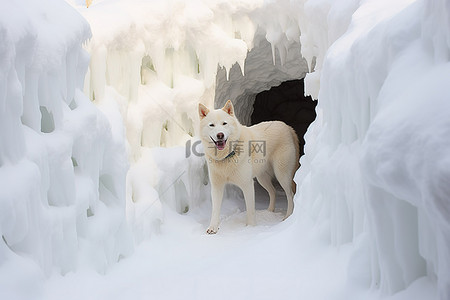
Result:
[[242, 66], [283, 53], [227, 73], [272, 45]]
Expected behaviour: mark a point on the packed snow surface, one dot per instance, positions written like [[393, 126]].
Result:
[[98, 154]]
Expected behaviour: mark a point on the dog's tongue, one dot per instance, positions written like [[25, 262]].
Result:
[[220, 145]]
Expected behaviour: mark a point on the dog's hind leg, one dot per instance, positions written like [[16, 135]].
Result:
[[265, 180], [287, 187], [285, 178]]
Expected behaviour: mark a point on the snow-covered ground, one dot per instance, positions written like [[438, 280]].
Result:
[[102, 195]]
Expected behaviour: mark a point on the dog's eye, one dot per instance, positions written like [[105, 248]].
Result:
[[224, 123], [211, 125]]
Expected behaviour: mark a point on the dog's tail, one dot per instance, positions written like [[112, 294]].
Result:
[[297, 157]]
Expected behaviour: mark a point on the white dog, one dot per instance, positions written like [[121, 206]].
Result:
[[236, 154]]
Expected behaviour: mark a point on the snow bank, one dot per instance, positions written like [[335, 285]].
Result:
[[62, 171], [377, 158]]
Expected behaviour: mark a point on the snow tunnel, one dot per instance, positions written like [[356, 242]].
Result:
[[288, 103], [271, 87]]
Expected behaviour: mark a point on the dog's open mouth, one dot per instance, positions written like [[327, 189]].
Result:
[[219, 144]]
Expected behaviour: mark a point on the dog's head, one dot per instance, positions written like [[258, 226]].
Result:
[[219, 127]]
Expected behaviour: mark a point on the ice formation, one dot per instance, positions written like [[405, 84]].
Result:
[[376, 169], [62, 171], [260, 74], [380, 145]]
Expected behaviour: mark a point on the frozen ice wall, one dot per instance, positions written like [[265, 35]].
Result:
[[62, 168], [377, 168]]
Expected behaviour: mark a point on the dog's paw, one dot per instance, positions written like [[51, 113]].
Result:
[[212, 230]]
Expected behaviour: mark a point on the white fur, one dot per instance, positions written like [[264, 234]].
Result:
[[280, 160]]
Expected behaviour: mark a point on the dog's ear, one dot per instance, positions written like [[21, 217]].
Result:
[[228, 108], [202, 111]]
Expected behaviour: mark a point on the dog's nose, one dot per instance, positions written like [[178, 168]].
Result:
[[220, 136]]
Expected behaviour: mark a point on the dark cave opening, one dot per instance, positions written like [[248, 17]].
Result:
[[288, 103]]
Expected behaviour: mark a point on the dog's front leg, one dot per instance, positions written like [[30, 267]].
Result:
[[216, 195], [249, 195]]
